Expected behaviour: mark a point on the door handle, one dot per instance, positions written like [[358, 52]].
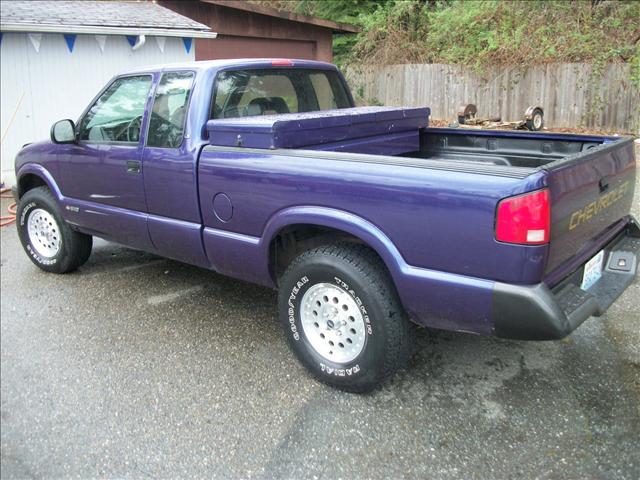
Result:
[[133, 166]]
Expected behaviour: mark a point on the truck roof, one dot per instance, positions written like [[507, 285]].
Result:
[[234, 62]]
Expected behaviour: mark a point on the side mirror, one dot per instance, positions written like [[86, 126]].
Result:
[[63, 131]]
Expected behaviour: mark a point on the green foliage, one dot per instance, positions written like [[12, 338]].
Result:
[[352, 12], [482, 32], [342, 48], [343, 11], [490, 32]]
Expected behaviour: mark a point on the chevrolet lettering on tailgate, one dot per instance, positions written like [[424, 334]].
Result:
[[584, 214]]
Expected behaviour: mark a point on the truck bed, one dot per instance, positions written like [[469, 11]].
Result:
[[508, 148], [590, 178], [401, 132]]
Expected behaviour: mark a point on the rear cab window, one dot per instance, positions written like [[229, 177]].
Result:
[[253, 92]]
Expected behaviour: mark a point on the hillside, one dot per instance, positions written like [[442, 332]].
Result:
[[481, 33]]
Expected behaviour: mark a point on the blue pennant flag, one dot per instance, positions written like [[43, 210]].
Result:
[[187, 43], [71, 40], [132, 39]]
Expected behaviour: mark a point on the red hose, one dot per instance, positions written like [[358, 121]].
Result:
[[8, 219]]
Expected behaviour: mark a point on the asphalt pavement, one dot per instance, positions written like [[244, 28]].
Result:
[[140, 367]]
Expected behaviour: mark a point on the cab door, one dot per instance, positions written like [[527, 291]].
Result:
[[170, 178], [102, 172]]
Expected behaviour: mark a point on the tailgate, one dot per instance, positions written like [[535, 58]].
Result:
[[590, 193]]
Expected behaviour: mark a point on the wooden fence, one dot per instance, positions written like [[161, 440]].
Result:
[[571, 94]]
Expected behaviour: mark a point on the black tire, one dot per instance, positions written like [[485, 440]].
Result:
[[389, 336], [74, 248]]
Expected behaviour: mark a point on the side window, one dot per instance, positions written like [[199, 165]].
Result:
[[117, 114], [169, 112]]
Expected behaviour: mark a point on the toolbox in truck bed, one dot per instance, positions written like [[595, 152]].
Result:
[[396, 130]]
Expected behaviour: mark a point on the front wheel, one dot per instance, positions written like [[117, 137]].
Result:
[[48, 240], [343, 318]]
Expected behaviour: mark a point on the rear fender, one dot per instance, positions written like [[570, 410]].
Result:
[[336, 219]]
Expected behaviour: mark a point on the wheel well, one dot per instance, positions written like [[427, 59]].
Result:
[[29, 182], [292, 240]]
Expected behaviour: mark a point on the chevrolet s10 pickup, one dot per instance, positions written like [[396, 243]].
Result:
[[366, 220]]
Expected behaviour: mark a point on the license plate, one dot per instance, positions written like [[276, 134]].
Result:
[[592, 271]]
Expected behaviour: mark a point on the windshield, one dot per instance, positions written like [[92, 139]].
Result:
[[246, 93]]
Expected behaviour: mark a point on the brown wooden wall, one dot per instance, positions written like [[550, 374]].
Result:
[[243, 34]]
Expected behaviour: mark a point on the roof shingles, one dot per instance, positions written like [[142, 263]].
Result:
[[95, 13]]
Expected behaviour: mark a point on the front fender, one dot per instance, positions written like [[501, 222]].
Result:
[[42, 173]]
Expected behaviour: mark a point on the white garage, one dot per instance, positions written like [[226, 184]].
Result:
[[56, 55]]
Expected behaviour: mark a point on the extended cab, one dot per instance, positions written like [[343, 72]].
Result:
[[365, 219]]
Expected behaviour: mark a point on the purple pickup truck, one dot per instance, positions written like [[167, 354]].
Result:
[[366, 220]]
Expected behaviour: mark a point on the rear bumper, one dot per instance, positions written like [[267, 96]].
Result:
[[536, 312]]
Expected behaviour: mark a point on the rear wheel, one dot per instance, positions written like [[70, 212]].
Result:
[[343, 318], [47, 239]]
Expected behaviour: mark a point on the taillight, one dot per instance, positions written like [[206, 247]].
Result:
[[524, 219], [281, 62]]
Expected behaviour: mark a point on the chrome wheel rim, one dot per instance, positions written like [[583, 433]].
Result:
[[44, 233], [332, 323]]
